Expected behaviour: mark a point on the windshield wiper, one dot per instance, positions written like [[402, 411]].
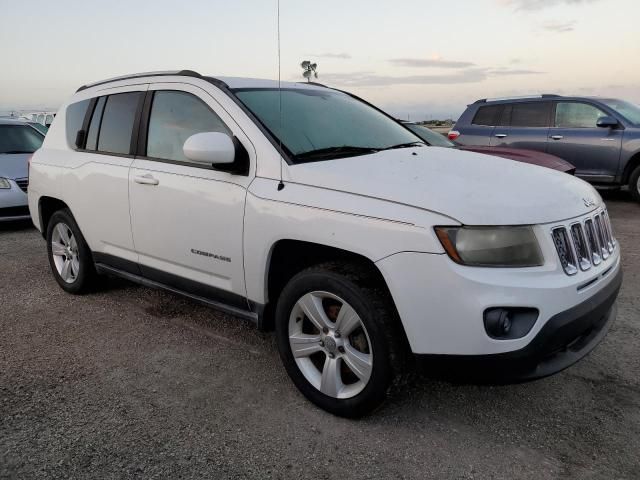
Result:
[[15, 152], [334, 152], [405, 145]]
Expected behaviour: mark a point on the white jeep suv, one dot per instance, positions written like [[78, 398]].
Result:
[[307, 210]]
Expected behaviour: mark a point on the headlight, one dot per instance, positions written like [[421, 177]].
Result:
[[4, 183], [491, 246]]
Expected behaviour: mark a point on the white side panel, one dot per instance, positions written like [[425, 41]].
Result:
[[95, 186], [191, 223], [191, 209], [267, 221]]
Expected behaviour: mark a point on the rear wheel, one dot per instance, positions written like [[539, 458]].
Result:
[[338, 339], [634, 184], [69, 255]]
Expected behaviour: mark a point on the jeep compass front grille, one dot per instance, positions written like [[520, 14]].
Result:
[[583, 244]]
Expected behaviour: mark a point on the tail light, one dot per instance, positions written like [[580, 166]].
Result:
[[453, 134]]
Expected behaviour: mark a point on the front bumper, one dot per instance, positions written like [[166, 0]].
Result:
[[564, 339], [13, 204]]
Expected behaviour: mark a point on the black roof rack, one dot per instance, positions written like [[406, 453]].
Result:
[[184, 73], [524, 97]]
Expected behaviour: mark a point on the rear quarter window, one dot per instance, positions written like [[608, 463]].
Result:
[[487, 116], [75, 117]]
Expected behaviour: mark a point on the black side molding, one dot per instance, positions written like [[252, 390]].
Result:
[[224, 301]]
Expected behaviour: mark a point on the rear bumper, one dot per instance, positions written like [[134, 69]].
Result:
[[565, 338]]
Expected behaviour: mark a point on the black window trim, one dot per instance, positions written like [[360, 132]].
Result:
[[241, 167], [134, 131]]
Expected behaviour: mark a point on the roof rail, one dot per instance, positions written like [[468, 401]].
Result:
[[184, 73], [314, 83], [522, 97]]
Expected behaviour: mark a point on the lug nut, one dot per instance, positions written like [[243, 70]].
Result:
[[322, 343], [341, 349], [337, 334], [331, 355], [325, 330]]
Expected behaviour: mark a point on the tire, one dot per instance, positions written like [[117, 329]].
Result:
[[346, 374], [634, 184], [71, 253]]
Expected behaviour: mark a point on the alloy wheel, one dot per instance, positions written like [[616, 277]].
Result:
[[64, 248], [330, 344]]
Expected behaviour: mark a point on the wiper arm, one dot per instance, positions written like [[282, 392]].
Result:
[[15, 152], [405, 145], [334, 152]]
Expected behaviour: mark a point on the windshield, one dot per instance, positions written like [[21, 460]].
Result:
[[322, 124], [432, 138], [19, 139], [628, 110]]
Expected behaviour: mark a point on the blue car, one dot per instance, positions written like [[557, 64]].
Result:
[[600, 136], [18, 141]]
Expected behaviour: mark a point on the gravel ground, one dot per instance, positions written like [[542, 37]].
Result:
[[132, 382]]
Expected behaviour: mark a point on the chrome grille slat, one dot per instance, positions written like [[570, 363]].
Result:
[[593, 242], [565, 250], [609, 230], [580, 245], [584, 243], [597, 220]]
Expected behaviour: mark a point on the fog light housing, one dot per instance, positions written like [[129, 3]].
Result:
[[509, 323]]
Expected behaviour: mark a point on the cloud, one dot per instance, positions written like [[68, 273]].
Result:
[[559, 27], [342, 56], [533, 5], [429, 62], [470, 75], [513, 71]]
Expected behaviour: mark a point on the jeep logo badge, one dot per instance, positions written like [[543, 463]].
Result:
[[588, 202]]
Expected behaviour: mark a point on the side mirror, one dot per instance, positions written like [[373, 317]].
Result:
[[607, 122], [211, 148]]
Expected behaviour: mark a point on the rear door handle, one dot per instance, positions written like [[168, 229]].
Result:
[[500, 135], [146, 180], [556, 137]]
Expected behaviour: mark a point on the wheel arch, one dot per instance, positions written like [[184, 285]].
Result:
[[288, 257], [631, 165], [47, 206]]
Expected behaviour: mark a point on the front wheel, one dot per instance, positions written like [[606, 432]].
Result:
[[338, 339], [634, 184]]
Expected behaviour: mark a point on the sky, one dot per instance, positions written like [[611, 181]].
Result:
[[416, 59]]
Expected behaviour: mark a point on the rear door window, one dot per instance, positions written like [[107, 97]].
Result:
[[118, 119], [487, 116], [532, 114], [75, 118], [577, 115]]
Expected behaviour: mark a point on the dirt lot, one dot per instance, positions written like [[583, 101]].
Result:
[[132, 382]]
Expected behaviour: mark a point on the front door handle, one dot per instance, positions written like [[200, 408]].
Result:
[[556, 137], [500, 135], [146, 180]]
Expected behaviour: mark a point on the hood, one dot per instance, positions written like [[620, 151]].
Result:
[[474, 189], [526, 156], [14, 165]]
